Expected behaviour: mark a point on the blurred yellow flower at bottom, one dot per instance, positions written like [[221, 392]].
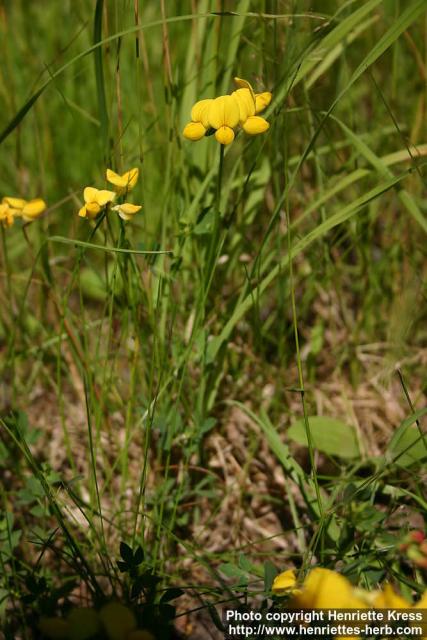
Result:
[[284, 582], [389, 599], [54, 628], [83, 623], [118, 621], [326, 589]]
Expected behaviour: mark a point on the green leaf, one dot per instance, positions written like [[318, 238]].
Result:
[[138, 556], [171, 594], [329, 435], [126, 552], [270, 572], [205, 224], [231, 571], [407, 445], [215, 618], [92, 285]]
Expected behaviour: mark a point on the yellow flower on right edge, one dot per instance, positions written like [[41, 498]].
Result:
[[223, 115], [326, 589]]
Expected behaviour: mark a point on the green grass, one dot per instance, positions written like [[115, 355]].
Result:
[[163, 379]]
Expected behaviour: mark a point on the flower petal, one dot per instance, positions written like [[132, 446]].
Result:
[[89, 194], [224, 135], [194, 131], [244, 84], [262, 100], [199, 112], [389, 599], [224, 111], [284, 581], [114, 178], [123, 182], [83, 212], [130, 178], [92, 209], [246, 103], [15, 203], [324, 589], [6, 215], [33, 209], [103, 197], [255, 125], [127, 210]]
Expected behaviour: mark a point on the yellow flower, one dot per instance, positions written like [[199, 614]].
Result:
[[83, 623], [20, 208], [326, 589], [118, 620], [125, 182], [127, 210], [246, 101], [6, 216], [389, 599], [244, 84], [255, 125], [16, 204], [284, 582], [54, 628], [33, 209], [254, 103], [262, 100], [95, 200], [196, 129], [224, 115]]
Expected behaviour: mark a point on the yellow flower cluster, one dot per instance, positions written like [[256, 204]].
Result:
[[97, 199], [28, 210], [326, 589], [225, 113], [114, 619]]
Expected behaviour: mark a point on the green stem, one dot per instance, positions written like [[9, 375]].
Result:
[[302, 390], [6, 264], [213, 245]]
